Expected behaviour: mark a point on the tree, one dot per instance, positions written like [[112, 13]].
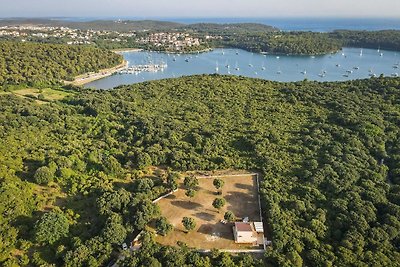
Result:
[[218, 183], [218, 203], [114, 232], [43, 175], [114, 201], [229, 216], [143, 184], [51, 227], [163, 227], [190, 193], [188, 223], [172, 180], [191, 182]]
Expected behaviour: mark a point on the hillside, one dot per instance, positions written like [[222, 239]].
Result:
[[328, 153], [36, 64]]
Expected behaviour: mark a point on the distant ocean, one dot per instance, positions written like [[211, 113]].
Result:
[[285, 24]]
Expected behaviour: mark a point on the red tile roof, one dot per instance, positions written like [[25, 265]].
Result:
[[243, 227]]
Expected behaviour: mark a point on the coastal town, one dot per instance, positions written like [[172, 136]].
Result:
[[161, 41]]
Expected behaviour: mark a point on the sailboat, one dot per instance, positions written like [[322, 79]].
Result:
[[216, 68], [361, 53], [237, 66], [227, 65], [263, 67]]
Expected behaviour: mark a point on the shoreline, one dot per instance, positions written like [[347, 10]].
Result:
[[124, 50], [93, 76]]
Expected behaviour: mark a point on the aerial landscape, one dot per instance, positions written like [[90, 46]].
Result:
[[199, 133]]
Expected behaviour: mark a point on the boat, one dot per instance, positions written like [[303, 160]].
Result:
[[250, 65], [361, 53], [349, 71], [143, 68], [237, 66], [262, 67], [279, 72], [312, 56], [356, 68], [322, 75], [304, 72], [395, 74], [381, 54], [345, 75], [372, 75], [395, 66], [237, 52], [187, 59], [216, 68], [277, 57], [338, 65]]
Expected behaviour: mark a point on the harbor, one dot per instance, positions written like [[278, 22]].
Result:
[[136, 69], [347, 64]]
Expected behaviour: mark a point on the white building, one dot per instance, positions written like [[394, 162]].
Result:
[[244, 232]]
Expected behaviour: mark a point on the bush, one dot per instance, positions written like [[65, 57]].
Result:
[[43, 176]]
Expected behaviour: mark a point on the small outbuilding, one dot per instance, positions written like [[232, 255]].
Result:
[[244, 232]]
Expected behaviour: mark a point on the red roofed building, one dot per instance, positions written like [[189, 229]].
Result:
[[244, 232]]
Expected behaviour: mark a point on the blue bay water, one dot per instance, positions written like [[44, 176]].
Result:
[[348, 64]]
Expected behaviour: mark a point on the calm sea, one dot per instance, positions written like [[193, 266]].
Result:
[[286, 24], [349, 64]]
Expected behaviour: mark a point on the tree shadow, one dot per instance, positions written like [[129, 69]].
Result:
[[244, 186], [242, 204], [186, 204], [30, 167], [172, 196], [205, 216], [217, 230], [26, 224]]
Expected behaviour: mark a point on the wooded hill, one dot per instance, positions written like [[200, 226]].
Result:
[[328, 152], [35, 64]]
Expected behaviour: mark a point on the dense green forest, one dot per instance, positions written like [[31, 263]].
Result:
[[41, 64], [388, 39], [75, 176], [296, 43]]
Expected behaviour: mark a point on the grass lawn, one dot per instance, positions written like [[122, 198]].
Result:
[[48, 94], [240, 193]]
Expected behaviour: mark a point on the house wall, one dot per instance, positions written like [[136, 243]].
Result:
[[245, 237]]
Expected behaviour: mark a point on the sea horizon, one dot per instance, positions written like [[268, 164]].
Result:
[[316, 24]]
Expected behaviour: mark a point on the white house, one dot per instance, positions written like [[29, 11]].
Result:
[[244, 232]]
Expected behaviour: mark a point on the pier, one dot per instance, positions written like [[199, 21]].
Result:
[[143, 68]]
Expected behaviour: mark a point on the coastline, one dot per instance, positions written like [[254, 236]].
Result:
[[123, 50], [93, 76]]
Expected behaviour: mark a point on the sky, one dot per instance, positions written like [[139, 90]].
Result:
[[201, 8]]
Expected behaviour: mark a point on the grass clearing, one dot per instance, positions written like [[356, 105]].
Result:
[[241, 195], [47, 93]]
